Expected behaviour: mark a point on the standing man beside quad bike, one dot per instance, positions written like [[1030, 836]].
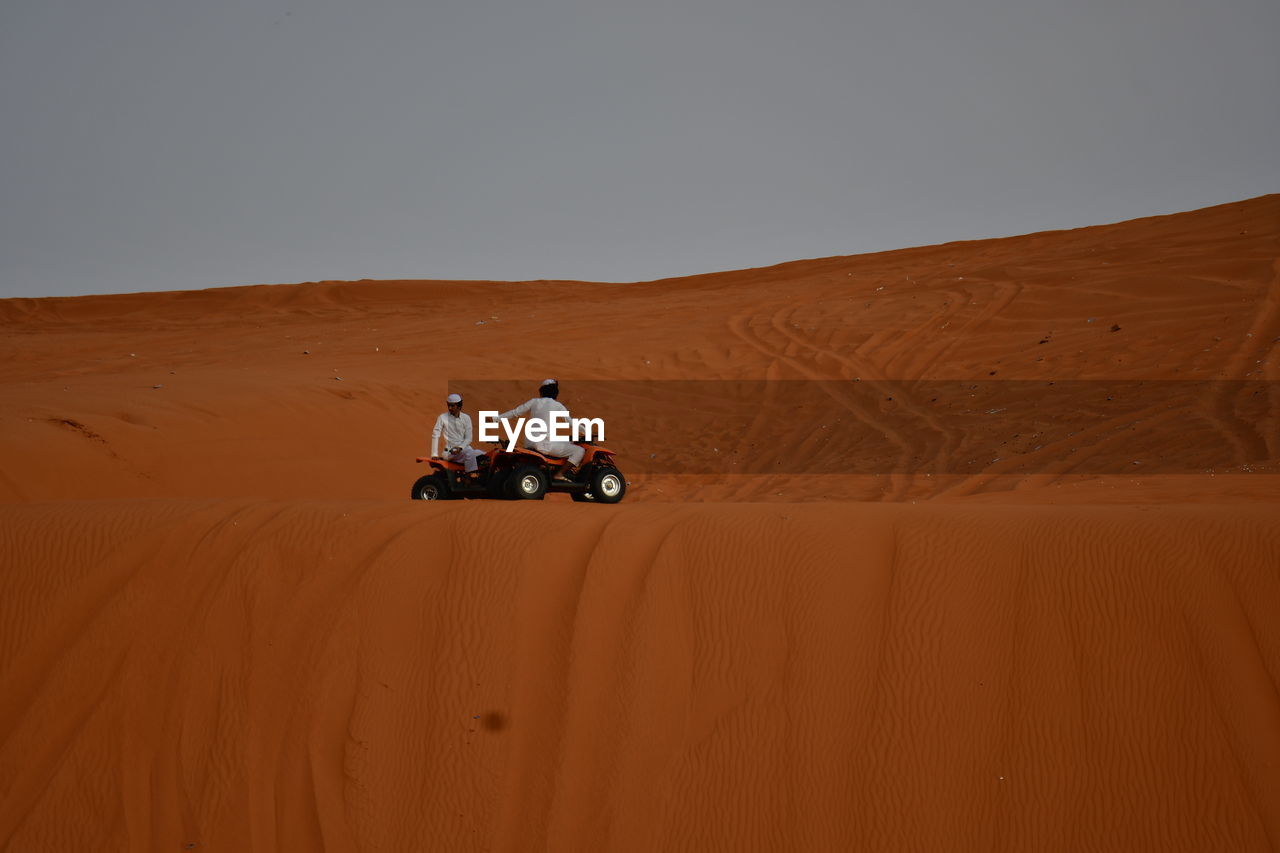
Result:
[[540, 408], [455, 426]]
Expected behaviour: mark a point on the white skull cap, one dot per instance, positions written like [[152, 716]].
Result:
[[453, 398], [548, 382]]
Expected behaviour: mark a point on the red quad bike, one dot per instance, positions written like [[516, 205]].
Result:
[[523, 474]]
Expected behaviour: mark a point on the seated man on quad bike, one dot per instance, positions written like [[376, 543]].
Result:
[[455, 426], [540, 408]]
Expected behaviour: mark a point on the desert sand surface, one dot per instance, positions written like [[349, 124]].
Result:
[[963, 547]]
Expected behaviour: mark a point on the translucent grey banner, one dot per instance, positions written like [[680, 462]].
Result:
[[919, 427]]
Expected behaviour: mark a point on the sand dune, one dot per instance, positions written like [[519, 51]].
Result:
[[303, 676], [980, 551], [326, 390]]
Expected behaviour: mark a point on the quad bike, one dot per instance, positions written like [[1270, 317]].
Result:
[[524, 474]]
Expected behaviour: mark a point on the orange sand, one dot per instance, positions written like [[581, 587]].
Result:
[[223, 625]]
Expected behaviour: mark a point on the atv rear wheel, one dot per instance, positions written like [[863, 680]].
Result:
[[607, 485], [431, 488], [527, 483]]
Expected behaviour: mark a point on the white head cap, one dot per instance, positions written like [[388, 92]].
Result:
[[546, 382], [453, 398]]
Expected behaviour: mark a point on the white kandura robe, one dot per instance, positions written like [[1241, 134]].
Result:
[[457, 433], [540, 408]]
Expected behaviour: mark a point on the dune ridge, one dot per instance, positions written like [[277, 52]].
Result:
[[342, 676], [249, 390]]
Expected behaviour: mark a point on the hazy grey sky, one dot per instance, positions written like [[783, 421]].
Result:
[[175, 144]]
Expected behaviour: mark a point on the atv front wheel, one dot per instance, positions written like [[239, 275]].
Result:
[[607, 485], [431, 488], [527, 483]]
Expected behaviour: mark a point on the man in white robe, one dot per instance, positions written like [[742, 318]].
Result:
[[455, 426], [540, 408]]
